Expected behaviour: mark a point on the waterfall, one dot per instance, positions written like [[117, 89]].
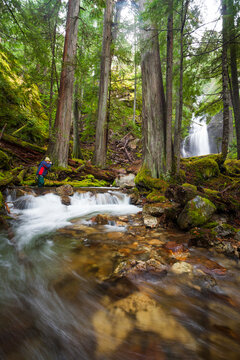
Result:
[[43, 214], [197, 142]]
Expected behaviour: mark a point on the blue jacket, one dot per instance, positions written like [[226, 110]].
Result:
[[43, 168]]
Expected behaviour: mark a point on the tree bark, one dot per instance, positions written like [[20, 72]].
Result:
[[153, 106], [225, 93], [234, 74], [53, 68], [77, 154], [178, 125], [58, 149], [100, 153], [169, 76]]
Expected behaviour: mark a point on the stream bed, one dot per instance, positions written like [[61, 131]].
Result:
[[89, 281]]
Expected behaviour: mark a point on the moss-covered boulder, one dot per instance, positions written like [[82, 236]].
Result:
[[143, 180], [4, 161], [203, 169], [195, 213], [156, 197], [232, 167], [181, 194]]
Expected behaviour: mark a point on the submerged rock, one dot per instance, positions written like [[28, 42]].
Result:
[[182, 267], [138, 270], [196, 212]]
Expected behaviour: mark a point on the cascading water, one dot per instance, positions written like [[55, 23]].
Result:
[[43, 214], [65, 295], [197, 142]]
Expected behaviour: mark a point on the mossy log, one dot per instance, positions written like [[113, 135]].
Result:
[[16, 141], [11, 177]]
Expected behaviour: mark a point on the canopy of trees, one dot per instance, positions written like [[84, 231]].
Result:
[[91, 70]]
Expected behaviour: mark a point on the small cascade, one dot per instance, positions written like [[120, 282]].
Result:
[[43, 214], [197, 142]]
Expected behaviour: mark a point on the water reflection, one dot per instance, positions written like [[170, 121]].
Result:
[[61, 297]]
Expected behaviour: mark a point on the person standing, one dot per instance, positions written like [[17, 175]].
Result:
[[42, 171]]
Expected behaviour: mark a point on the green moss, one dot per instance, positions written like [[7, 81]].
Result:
[[190, 186], [144, 180], [232, 167], [156, 196], [211, 192], [203, 169], [196, 212], [1, 200], [4, 161], [210, 225]]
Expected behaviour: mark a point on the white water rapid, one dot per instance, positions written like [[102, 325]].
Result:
[[43, 214], [197, 142]]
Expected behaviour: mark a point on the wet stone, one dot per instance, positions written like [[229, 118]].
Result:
[[150, 221], [182, 267], [137, 269], [207, 265]]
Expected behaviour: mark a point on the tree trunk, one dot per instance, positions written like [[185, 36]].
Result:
[[77, 154], [234, 74], [178, 126], [53, 68], [225, 93], [169, 89], [59, 148], [135, 72], [153, 107], [100, 153]]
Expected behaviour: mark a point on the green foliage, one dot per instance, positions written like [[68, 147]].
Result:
[[4, 161], [20, 104]]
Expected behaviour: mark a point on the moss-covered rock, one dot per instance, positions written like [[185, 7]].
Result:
[[203, 169], [4, 161], [143, 180], [180, 194], [190, 186], [156, 196], [196, 212], [232, 167]]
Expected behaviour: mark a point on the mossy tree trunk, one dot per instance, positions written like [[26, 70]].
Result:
[[100, 152], [225, 92], [233, 44], [59, 147], [178, 121], [153, 100], [169, 77], [76, 116]]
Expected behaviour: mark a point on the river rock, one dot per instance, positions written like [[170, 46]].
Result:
[[125, 181], [100, 219], [65, 190], [138, 269], [65, 200], [207, 266], [237, 236], [182, 267], [180, 194], [153, 209], [150, 221], [196, 212]]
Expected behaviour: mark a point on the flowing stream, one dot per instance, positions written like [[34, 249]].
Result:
[[60, 299]]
